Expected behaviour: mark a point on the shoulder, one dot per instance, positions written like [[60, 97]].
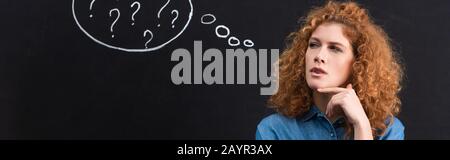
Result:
[[268, 126], [272, 120], [394, 130]]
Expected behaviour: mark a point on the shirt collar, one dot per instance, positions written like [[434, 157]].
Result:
[[313, 111]]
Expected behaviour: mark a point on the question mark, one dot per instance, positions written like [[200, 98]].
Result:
[[176, 17], [90, 8], [139, 7], [118, 15], [151, 37], [160, 10]]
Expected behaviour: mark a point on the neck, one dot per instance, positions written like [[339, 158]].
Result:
[[321, 100]]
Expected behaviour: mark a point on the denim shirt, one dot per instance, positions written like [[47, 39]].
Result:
[[314, 126]]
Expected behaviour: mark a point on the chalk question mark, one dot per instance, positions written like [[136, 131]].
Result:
[[117, 18], [90, 8], [160, 10], [176, 17], [137, 10], [151, 36]]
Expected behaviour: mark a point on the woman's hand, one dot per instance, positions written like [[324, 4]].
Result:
[[345, 99]]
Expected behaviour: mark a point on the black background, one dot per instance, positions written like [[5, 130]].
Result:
[[56, 83]]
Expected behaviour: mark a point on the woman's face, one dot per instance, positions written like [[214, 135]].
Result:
[[329, 57]]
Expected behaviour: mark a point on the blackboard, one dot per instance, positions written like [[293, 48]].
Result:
[[75, 69]]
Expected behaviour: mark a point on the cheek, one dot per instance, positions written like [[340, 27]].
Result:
[[343, 68], [309, 59]]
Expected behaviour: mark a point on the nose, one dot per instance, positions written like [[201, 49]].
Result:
[[320, 57]]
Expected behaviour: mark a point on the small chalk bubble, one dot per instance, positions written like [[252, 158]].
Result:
[[236, 41], [222, 35], [203, 21], [248, 43]]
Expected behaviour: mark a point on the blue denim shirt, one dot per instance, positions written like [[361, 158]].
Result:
[[314, 126]]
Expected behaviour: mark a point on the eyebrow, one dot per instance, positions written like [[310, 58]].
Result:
[[333, 43]]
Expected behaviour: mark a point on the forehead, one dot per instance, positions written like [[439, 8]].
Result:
[[331, 32]]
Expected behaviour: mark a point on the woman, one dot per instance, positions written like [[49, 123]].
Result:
[[338, 79]]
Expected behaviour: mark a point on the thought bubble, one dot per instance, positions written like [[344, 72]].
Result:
[[126, 24]]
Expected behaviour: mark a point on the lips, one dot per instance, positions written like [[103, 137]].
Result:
[[318, 71]]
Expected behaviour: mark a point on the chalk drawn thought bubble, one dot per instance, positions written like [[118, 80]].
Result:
[[130, 25]]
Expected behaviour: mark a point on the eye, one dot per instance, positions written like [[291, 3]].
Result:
[[335, 49], [313, 45]]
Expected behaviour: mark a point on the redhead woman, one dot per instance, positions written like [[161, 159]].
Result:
[[339, 79]]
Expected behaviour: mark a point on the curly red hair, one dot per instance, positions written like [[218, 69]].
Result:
[[376, 72]]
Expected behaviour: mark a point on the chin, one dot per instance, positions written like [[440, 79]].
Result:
[[315, 86]]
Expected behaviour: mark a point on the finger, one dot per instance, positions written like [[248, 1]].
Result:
[[331, 90], [333, 103], [349, 86], [327, 110], [330, 107]]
